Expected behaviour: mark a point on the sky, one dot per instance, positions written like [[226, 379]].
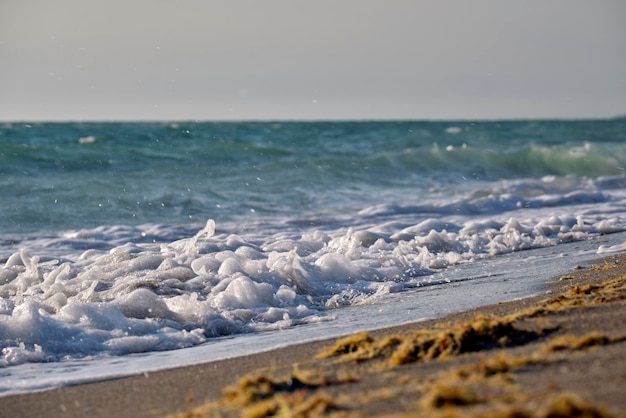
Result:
[[311, 60]]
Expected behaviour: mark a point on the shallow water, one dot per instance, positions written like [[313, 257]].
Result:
[[508, 277]]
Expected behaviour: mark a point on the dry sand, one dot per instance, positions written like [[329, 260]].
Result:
[[558, 354]]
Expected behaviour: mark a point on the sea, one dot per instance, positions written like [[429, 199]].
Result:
[[129, 247]]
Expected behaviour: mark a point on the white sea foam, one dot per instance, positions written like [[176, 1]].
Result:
[[607, 249], [94, 292]]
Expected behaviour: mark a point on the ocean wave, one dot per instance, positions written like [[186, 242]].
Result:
[[149, 296], [106, 248]]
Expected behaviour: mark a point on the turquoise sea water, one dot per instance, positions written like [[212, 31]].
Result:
[[56, 176], [122, 238]]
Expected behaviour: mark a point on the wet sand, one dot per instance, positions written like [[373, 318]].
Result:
[[559, 352]]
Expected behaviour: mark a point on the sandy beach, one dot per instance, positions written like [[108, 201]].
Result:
[[560, 353]]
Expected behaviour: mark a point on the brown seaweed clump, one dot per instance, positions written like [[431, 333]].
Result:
[[480, 333], [571, 342], [256, 396], [463, 402]]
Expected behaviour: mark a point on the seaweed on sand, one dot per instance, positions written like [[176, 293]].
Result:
[[480, 333]]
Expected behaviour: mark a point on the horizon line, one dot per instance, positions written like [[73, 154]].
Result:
[[312, 120]]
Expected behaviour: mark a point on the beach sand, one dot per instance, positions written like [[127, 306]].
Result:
[[561, 353]]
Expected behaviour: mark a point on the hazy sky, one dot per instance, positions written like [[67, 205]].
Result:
[[316, 59]]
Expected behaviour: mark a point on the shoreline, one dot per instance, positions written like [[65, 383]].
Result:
[[175, 390]]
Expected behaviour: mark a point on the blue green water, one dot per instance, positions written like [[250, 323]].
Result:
[[74, 175], [119, 238]]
